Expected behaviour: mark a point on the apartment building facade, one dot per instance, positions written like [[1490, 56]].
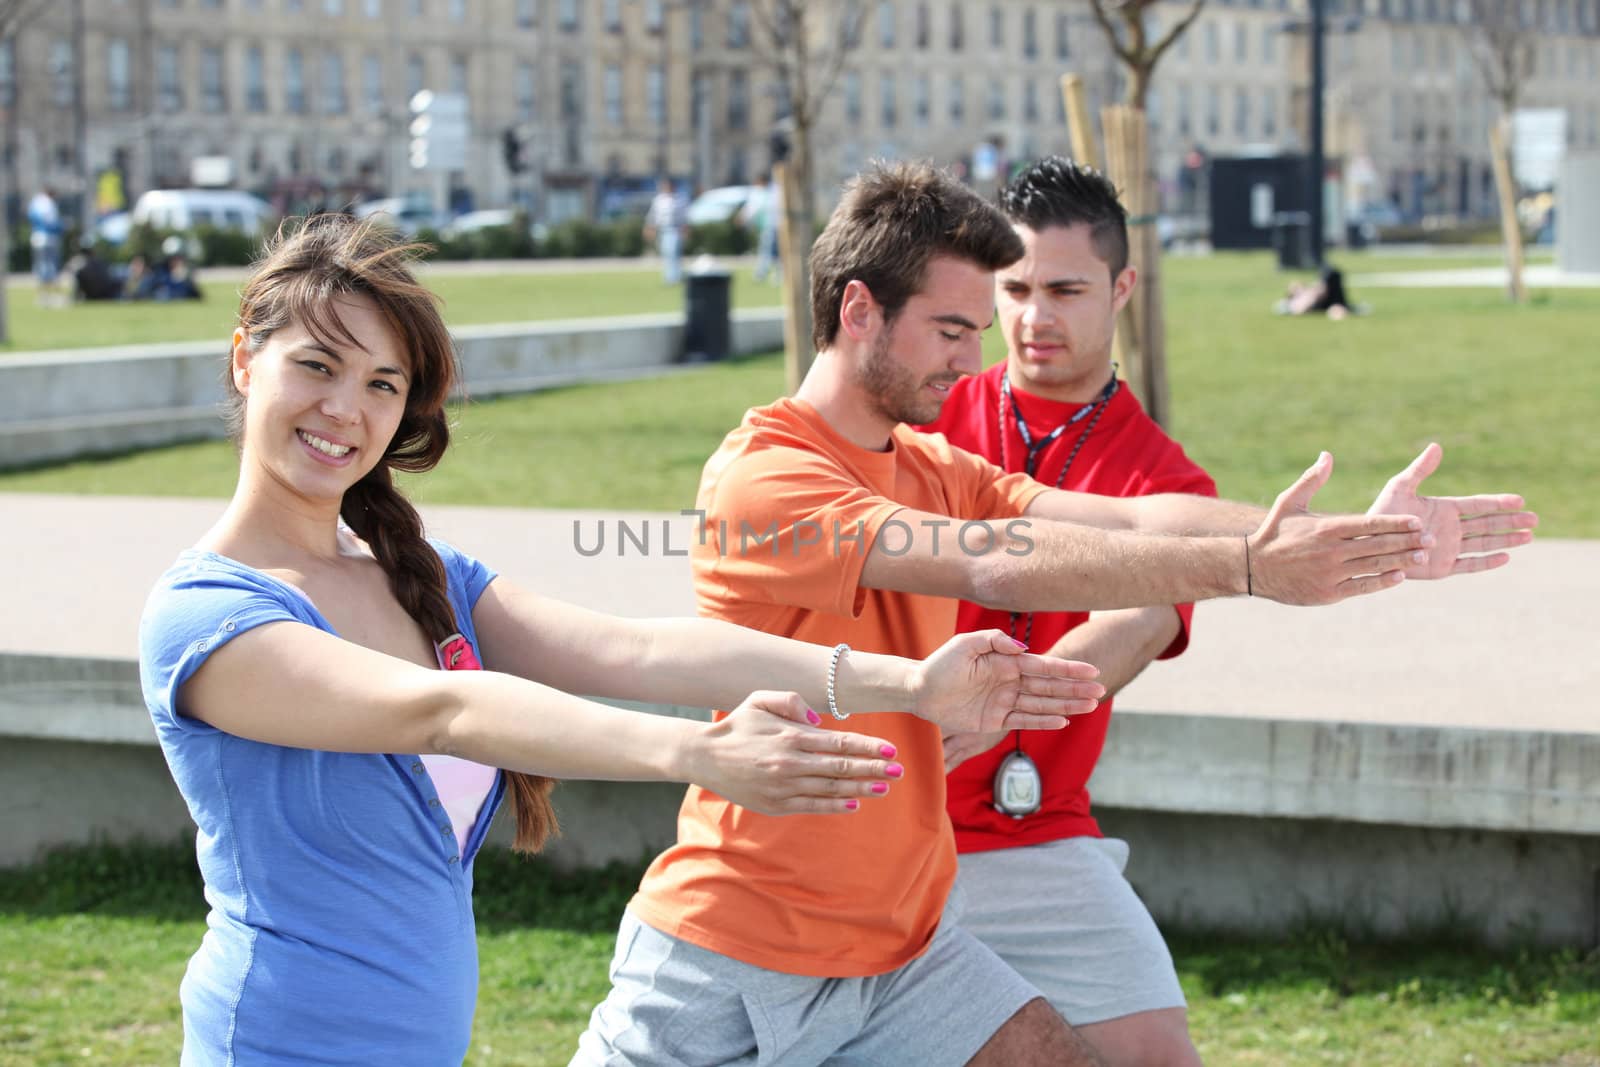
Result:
[[576, 105]]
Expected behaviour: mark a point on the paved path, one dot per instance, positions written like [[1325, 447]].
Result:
[[1517, 647], [1537, 276]]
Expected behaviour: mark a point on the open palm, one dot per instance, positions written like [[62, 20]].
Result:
[[984, 681], [1470, 532]]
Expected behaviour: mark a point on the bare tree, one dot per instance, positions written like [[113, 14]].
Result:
[[1501, 40], [1141, 330], [1129, 37], [804, 45], [1502, 47], [14, 15]]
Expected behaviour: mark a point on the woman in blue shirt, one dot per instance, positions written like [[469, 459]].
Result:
[[313, 670]]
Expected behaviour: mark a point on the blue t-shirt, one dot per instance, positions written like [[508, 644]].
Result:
[[340, 929]]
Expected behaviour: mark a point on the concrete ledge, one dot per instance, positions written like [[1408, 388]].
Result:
[[1244, 824], [59, 405], [1536, 781]]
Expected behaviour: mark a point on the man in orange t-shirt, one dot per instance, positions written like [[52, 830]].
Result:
[[798, 941]]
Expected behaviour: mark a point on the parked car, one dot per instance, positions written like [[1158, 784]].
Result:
[[184, 209], [722, 204], [473, 221], [404, 213]]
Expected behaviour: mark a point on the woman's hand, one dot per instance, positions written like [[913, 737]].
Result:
[[983, 681], [770, 755]]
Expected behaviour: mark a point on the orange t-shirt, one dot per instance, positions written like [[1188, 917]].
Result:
[[792, 510]]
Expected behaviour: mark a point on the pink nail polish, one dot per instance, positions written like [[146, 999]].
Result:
[[880, 787], [894, 770], [1019, 644], [852, 804], [813, 718], [888, 751]]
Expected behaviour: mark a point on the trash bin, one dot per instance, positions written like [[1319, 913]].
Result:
[[708, 299], [1291, 237]]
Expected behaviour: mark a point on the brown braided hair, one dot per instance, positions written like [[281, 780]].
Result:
[[303, 270]]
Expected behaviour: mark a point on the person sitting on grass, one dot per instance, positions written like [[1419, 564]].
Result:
[[317, 673], [1325, 295]]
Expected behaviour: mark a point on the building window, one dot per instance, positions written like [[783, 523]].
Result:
[[1241, 43], [333, 98], [571, 91], [212, 98], [1152, 109], [416, 75], [334, 8], [923, 104], [527, 97], [458, 10], [852, 97], [957, 32], [655, 91], [8, 73], [63, 79], [1213, 43], [1030, 101], [612, 88], [738, 25], [1030, 41], [611, 15], [997, 27], [889, 113], [1269, 113], [1213, 111], [373, 9], [1184, 125], [1269, 44], [294, 81], [738, 100], [458, 75], [653, 15], [118, 94], [255, 80], [997, 99], [527, 13], [1241, 113], [958, 99], [922, 26], [372, 81], [886, 23], [169, 78], [568, 15]]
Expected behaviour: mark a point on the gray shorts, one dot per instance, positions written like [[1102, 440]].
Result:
[[675, 1003], [1063, 915]]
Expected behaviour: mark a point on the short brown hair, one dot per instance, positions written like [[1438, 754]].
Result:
[[893, 219]]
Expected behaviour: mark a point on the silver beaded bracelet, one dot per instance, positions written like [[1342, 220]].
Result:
[[833, 672]]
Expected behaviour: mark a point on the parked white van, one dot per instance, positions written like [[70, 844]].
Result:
[[184, 209]]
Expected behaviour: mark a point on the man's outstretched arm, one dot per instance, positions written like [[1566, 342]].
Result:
[[1470, 533], [1039, 564]]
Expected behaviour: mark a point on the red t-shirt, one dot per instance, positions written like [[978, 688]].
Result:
[[1127, 454]]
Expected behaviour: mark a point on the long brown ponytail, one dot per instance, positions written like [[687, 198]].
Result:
[[301, 272]]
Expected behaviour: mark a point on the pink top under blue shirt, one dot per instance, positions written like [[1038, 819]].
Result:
[[340, 884]]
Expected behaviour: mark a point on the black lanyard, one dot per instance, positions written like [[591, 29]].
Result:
[[1098, 407]]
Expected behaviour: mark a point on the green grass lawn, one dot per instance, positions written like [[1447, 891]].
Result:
[[469, 299], [93, 944], [1512, 393]]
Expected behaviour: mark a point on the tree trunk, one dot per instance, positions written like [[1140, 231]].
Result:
[[794, 246]]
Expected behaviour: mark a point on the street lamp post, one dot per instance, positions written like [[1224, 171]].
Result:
[[1317, 165]]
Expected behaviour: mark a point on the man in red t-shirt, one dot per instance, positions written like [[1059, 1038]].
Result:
[[1045, 890]]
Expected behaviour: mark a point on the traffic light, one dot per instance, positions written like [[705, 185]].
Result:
[[511, 145]]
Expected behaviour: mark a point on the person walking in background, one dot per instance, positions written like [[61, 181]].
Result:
[[761, 212], [44, 242], [344, 704], [665, 224]]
